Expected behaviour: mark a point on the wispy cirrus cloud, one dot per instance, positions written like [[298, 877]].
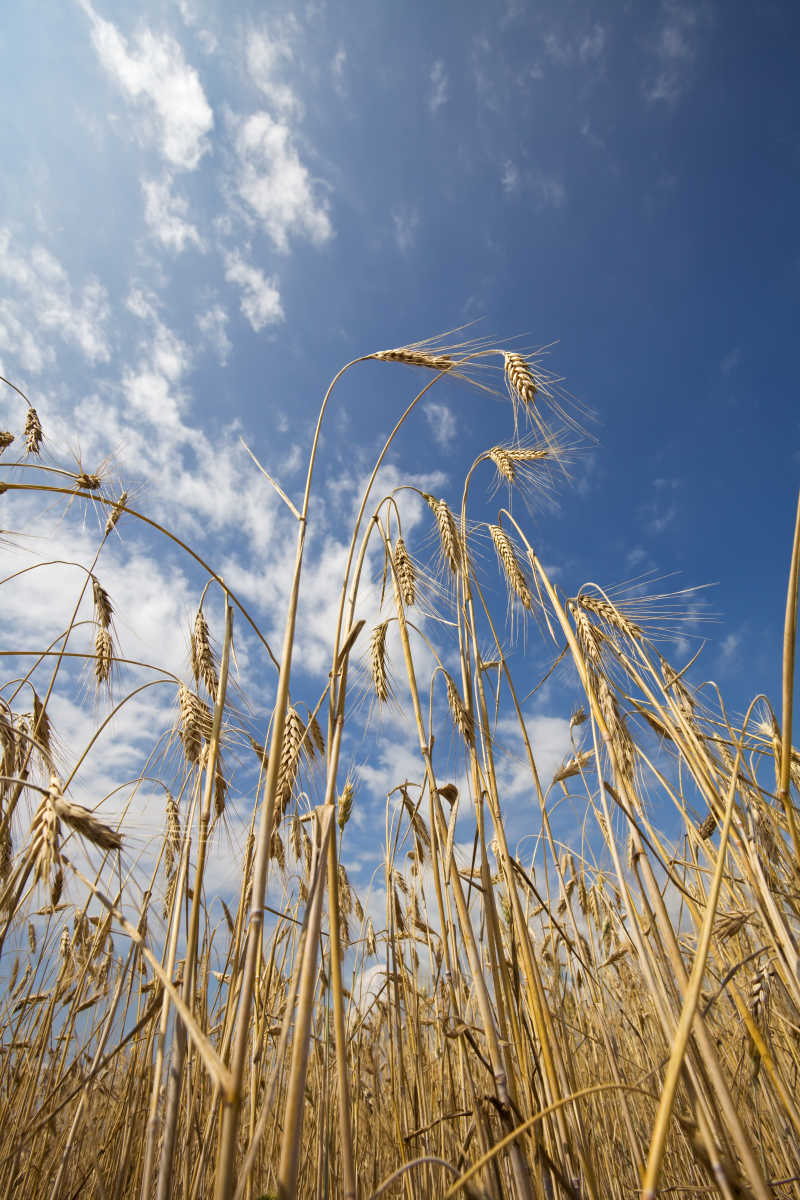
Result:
[[439, 86], [673, 51], [442, 423], [261, 299], [166, 216], [44, 299], [152, 71], [267, 52], [276, 185]]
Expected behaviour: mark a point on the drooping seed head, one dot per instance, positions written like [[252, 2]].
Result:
[[293, 734], [448, 531], [377, 659], [195, 723], [172, 845], [103, 656], [88, 482], [33, 431], [415, 358], [116, 513], [589, 636], [6, 439], [510, 564], [103, 609], [611, 615], [317, 742], [459, 712], [85, 823], [404, 569], [203, 666], [41, 729], [503, 461], [277, 851], [345, 804], [519, 379]]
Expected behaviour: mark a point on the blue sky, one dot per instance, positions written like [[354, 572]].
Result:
[[207, 209]]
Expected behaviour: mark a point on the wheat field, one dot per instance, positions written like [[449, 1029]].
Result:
[[612, 1016]]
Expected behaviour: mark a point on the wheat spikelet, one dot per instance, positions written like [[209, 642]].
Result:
[[503, 461], [31, 937], [103, 656], [203, 667], [345, 891], [115, 513], [460, 714], [759, 994], [513, 571], [727, 925], [377, 660], [519, 378], [414, 358], [293, 734], [33, 432], [6, 439], [583, 895], [8, 750], [397, 908], [345, 804], [295, 837], [42, 730], [706, 828], [317, 740], [85, 823], [611, 615], [404, 569], [6, 849], [448, 531], [103, 608], [220, 788], [572, 766], [372, 946], [44, 836], [172, 842], [88, 482], [589, 636], [195, 723], [276, 850]]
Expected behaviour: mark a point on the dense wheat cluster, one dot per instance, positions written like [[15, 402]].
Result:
[[609, 1017]]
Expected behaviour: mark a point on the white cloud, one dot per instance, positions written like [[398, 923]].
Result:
[[592, 44], [261, 301], [338, 64], [730, 646], [510, 177], [265, 54], [165, 215], [276, 185], [442, 423], [559, 51], [46, 300], [154, 71], [405, 223], [439, 83], [673, 51], [550, 190], [212, 325]]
